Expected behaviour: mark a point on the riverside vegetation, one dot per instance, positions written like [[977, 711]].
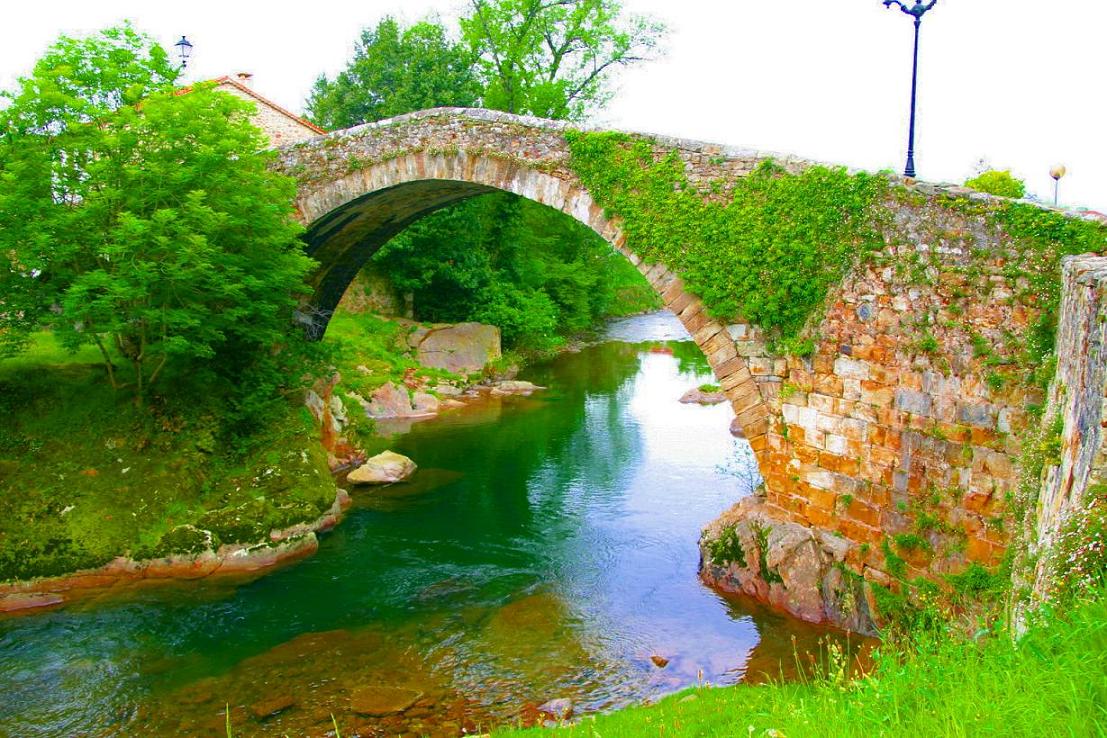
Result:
[[204, 440], [1050, 681], [187, 276]]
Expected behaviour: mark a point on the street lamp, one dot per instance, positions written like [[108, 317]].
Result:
[[1057, 172], [917, 12], [184, 50]]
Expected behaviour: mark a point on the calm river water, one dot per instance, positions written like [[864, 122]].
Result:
[[545, 549]]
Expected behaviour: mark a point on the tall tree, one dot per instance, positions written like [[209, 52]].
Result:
[[396, 70], [554, 58], [139, 219]]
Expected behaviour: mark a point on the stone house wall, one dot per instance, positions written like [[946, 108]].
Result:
[[281, 126]]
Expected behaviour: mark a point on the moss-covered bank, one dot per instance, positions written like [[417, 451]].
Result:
[[86, 476]]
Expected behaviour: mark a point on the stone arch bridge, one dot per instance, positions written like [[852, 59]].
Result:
[[852, 441]]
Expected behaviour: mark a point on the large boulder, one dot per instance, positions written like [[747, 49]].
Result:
[[384, 468], [425, 403], [463, 348], [786, 565]]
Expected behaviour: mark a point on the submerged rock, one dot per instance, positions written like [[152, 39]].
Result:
[[515, 387], [379, 701], [272, 705], [559, 709], [384, 468]]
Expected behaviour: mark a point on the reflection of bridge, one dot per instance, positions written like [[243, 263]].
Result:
[[851, 439]]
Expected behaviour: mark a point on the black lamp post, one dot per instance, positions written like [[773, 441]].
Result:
[[184, 50], [917, 12]]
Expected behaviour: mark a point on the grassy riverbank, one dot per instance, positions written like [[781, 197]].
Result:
[[87, 475], [1052, 682]]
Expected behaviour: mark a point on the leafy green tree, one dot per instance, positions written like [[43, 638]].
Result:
[[396, 70], [554, 58], [526, 268], [140, 219]]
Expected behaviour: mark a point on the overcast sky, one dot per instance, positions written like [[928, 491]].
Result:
[[1018, 83]]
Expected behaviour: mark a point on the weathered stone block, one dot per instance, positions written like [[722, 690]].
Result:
[[911, 401], [848, 368], [979, 415]]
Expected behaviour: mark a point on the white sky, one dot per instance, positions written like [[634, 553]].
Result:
[[1016, 82]]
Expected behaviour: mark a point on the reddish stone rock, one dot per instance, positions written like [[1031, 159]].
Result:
[[379, 701]]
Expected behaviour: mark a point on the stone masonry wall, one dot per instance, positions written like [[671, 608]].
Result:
[[1078, 402]]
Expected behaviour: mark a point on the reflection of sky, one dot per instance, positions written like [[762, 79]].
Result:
[[662, 326], [631, 565]]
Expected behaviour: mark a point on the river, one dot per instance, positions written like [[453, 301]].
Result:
[[547, 548]]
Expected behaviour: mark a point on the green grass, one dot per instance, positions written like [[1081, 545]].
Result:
[[1052, 682], [86, 475]]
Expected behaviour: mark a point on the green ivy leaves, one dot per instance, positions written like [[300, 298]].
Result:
[[767, 253]]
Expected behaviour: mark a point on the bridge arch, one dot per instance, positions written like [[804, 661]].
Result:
[[368, 196], [853, 438]]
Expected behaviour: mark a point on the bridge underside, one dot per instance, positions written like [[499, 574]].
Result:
[[345, 238]]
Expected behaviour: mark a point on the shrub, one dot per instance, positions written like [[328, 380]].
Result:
[[998, 182]]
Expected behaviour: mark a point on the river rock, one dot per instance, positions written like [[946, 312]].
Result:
[[698, 397], [272, 705], [463, 348], [515, 387], [384, 468], [389, 401], [425, 403], [559, 709], [379, 701], [788, 566], [659, 661], [736, 429]]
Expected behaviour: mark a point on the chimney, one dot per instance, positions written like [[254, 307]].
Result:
[[244, 78]]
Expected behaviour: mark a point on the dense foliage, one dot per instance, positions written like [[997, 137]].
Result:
[[553, 59], [396, 70], [528, 269], [141, 220], [997, 182], [766, 252]]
